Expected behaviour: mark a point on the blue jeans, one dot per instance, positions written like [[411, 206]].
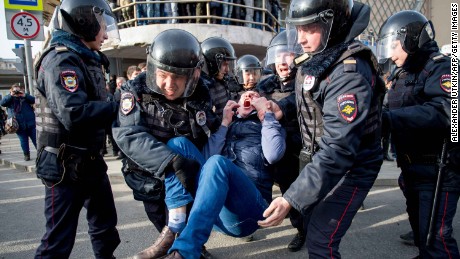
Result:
[[24, 135], [227, 11], [226, 199]]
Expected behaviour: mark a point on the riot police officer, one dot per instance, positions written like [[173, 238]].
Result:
[[72, 114], [248, 72], [219, 66], [278, 87], [338, 108], [419, 118], [166, 101]]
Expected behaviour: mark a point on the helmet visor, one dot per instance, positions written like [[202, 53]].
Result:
[[309, 35], [386, 47], [279, 55], [172, 82], [109, 24], [226, 66], [248, 77]]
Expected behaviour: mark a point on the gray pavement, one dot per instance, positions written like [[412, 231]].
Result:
[[373, 234], [12, 156]]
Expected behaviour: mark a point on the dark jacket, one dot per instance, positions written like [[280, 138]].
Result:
[[21, 108], [71, 101], [419, 112], [143, 128], [244, 147], [341, 121]]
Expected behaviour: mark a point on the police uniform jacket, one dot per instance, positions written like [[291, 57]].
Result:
[[339, 115], [147, 120], [419, 112], [71, 100]]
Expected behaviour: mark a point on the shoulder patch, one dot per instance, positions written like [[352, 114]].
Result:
[[445, 82], [69, 80], [127, 103], [348, 107]]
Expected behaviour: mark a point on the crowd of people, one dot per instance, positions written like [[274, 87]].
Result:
[[203, 134], [172, 12]]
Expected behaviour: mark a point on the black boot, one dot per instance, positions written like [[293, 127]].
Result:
[[27, 156], [297, 242]]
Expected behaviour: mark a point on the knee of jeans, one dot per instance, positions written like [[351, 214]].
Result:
[[177, 142]]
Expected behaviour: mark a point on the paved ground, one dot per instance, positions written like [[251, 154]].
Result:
[[373, 234]]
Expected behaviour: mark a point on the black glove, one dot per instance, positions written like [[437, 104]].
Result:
[[186, 171]]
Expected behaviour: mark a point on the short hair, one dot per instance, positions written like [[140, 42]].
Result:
[[142, 65], [131, 70]]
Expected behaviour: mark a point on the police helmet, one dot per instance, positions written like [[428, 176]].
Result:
[[178, 52], [330, 17], [411, 28], [85, 18], [215, 51], [278, 52], [248, 64]]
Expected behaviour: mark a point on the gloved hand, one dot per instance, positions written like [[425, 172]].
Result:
[[186, 171]]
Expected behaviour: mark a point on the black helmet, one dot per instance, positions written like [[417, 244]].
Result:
[[84, 18], [410, 28], [248, 64], [215, 50], [175, 51], [332, 17], [278, 52]]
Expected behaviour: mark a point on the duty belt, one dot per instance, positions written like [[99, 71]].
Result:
[[407, 159]]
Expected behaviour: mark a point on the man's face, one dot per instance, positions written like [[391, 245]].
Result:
[[250, 77], [282, 61], [398, 55], [134, 74], [309, 37], [245, 103], [100, 38], [171, 85], [223, 69]]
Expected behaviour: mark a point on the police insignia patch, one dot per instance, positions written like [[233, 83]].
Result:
[[348, 107], [201, 118], [446, 84], [308, 83], [69, 80], [127, 103]]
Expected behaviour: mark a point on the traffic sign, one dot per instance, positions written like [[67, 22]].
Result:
[[33, 5], [25, 25]]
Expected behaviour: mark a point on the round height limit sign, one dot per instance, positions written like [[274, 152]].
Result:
[[25, 25]]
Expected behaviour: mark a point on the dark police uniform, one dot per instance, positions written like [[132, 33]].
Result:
[[146, 121], [419, 118], [71, 115], [338, 98], [218, 90]]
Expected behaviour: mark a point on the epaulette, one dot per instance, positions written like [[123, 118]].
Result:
[[61, 49]]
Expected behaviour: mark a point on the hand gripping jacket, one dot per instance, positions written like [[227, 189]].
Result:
[[146, 122]]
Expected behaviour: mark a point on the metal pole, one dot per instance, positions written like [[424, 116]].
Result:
[[29, 64]]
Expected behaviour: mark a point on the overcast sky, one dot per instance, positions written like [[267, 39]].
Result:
[[5, 44]]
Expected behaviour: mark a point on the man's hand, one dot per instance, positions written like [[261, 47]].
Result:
[[228, 112], [275, 213], [186, 171]]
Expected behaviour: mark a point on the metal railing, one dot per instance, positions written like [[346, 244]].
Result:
[[269, 22]]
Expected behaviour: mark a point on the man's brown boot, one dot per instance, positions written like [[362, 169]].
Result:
[[160, 247]]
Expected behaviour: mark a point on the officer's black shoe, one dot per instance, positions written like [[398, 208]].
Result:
[[205, 254], [408, 238], [26, 156], [298, 241], [120, 155]]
